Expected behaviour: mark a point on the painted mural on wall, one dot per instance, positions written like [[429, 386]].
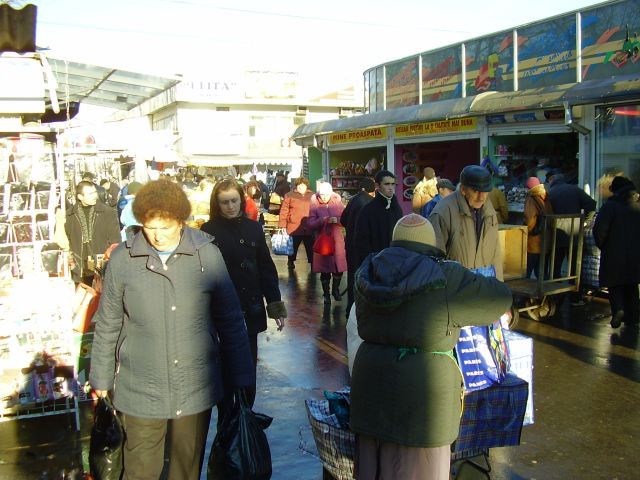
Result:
[[402, 83], [370, 86], [610, 44], [547, 53], [489, 62], [380, 88], [546, 57], [441, 75]]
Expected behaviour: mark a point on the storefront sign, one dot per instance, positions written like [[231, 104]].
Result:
[[364, 135], [431, 128]]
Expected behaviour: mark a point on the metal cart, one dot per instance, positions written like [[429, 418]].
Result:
[[538, 294]]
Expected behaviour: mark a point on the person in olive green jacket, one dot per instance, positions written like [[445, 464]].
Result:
[[466, 224], [500, 205], [406, 388]]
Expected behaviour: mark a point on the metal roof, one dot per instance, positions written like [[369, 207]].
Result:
[[609, 90], [104, 86]]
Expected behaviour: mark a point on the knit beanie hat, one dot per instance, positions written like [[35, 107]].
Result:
[[532, 182], [621, 184], [414, 228]]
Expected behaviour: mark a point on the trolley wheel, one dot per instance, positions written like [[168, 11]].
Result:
[[545, 310], [515, 317]]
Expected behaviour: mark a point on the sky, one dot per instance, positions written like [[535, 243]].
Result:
[[330, 43]]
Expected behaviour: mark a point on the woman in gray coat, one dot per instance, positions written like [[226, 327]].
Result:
[[168, 316]]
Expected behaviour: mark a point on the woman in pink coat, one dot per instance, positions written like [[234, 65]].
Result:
[[326, 208]]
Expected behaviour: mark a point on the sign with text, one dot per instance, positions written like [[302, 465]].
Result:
[[431, 128], [364, 135]]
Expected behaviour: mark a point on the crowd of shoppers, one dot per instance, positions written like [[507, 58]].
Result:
[[216, 285]]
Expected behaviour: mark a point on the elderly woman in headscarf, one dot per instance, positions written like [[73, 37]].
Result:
[[324, 219]]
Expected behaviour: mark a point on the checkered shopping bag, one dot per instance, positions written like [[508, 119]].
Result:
[[336, 445]]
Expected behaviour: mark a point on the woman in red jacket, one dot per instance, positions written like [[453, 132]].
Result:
[[294, 214], [251, 208]]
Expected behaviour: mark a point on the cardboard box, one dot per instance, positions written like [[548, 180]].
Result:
[[513, 244], [521, 359]]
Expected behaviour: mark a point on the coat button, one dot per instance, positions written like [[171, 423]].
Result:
[[242, 240], [151, 267], [175, 362], [178, 412], [165, 267], [173, 308]]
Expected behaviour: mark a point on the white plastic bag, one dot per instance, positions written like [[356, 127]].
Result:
[[353, 339]]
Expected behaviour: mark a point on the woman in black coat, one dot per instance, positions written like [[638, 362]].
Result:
[[616, 231], [253, 273]]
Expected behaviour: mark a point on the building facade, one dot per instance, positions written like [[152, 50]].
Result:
[[561, 95]]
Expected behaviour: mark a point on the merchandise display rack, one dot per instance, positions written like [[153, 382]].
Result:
[[37, 348]]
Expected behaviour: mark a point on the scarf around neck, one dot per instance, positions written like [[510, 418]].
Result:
[[87, 216], [388, 199]]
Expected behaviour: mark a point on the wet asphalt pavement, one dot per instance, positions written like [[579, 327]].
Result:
[[586, 397]]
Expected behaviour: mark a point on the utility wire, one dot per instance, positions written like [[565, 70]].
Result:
[[309, 18]]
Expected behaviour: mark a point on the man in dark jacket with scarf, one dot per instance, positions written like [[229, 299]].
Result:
[[406, 388], [349, 218], [91, 227], [376, 220]]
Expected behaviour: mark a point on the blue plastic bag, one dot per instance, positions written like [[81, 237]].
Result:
[[282, 243], [482, 351]]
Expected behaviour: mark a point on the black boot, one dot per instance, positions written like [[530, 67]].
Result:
[[335, 288], [326, 287]]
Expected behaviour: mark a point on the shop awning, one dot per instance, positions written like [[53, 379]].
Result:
[[610, 90], [453, 108], [104, 86]]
